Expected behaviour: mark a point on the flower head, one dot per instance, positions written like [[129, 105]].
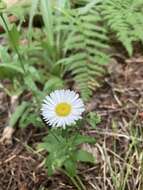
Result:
[[62, 107]]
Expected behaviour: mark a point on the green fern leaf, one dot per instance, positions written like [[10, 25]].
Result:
[[85, 46], [125, 18]]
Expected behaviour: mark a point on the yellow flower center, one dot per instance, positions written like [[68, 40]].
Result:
[[63, 109]]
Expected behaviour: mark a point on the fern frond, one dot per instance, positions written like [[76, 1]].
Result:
[[125, 18], [85, 47]]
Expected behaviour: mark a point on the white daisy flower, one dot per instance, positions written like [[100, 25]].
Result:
[[62, 107]]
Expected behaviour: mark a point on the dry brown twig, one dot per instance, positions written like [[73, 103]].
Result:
[[8, 131]]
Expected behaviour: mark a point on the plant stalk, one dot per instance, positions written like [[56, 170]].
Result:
[[15, 48], [73, 180], [80, 182], [55, 136]]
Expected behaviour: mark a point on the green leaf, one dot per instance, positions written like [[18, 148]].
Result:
[[35, 74], [17, 114], [2, 6], [70, 167], [9, 70], [80, 139], [49, 166], [52, 84], [2, 18], [46, 146], [84, 156], [55, 161], [125, 20], [53, 141], [20, 10], [31, 85], [4, 55], [29, 117], [85, 45], [33, 10], [46, 10], [14, 37], [93, 119]]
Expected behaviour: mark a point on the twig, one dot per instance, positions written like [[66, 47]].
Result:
[[8, 131], [116, 135]]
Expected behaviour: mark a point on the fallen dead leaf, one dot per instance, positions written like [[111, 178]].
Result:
[[141, 115]]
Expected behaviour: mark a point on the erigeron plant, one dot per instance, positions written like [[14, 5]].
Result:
[[61, 110]]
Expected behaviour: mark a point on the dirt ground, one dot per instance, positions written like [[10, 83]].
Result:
[[119, 101]]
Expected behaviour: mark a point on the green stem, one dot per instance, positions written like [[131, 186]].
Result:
[[11, 37], [80, 182], [72, 179], [65, 133], [55, 136]]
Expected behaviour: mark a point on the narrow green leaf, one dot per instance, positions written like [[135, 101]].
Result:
[[14, 37], [9, 70], [31, 85], [17, 114], [32, 13], [46, 9]]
